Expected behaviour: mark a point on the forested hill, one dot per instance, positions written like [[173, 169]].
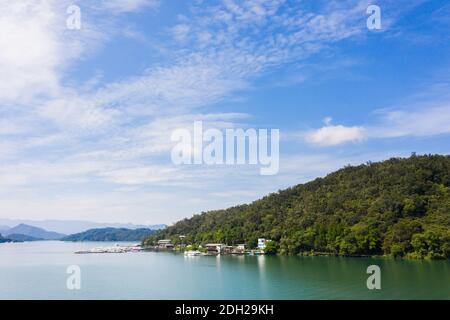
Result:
[[398, 207], [110, 234]]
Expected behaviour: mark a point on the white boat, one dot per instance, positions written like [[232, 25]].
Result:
[[114, 249], [191, 253]]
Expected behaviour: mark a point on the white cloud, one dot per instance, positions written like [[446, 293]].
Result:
[[424, 121], [73, 111], [419, 122], [180, 32], [31, 50], [141, 175], [428, 118], [121, 6], [333, 135], [36, 46]]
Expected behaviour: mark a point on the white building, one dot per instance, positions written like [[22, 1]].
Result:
[[262, 243], [165, 244], [214, 248]]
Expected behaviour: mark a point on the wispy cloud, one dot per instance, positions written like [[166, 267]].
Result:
[[113, 135], [121, 6], [220, 56], [224, 47], [423, 122], [37, 47]]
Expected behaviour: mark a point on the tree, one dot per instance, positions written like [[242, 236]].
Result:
[[271, 247]]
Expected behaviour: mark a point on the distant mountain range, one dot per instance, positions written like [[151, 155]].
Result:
[[24, 231], [73, 231], [72, 226], [110, 234]]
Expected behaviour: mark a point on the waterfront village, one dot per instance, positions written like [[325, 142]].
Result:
[[210, 249]]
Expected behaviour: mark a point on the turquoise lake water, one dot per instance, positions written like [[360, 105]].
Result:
[[37, 270]]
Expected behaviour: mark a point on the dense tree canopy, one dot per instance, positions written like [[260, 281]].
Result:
[[399, 207], [110, 234]]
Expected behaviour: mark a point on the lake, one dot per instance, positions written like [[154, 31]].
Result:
[[37, 270]]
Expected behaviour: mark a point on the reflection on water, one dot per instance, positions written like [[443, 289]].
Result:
[[38, 270]]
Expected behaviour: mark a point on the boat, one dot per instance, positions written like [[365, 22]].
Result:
[[114, 249], [192, 253]]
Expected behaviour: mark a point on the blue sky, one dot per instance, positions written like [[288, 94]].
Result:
[[87, 115]]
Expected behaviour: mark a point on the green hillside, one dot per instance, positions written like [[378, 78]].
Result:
[[110, 234], [399, 207]]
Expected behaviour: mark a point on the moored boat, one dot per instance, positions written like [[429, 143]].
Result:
[[192, 253]]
